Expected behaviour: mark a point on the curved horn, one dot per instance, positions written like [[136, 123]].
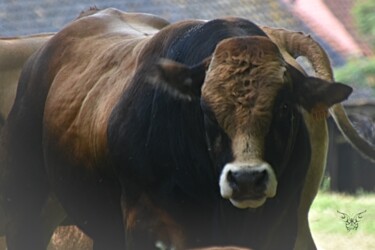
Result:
[[364, 147], [297, 44]]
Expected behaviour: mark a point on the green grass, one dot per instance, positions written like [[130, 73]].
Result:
[[329, 230]]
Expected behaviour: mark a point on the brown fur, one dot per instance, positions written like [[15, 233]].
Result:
[[251, 70], [71, 114]]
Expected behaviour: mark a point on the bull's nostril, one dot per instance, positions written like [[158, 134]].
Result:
[[231, 178], [261, 177]]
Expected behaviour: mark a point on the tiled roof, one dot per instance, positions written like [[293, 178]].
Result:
[[32, 16], [20, 17]]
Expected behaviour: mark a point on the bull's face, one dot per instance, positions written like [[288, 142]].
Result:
[[240, 88], [242, 82]]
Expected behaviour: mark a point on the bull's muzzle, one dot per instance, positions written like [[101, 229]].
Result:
[[248, 185]]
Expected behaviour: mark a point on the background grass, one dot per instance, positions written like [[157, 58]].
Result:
[[329, 230]]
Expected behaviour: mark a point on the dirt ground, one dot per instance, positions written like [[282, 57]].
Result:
[[64, 238], [70, 238]]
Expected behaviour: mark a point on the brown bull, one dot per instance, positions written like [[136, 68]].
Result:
[[171, 149]]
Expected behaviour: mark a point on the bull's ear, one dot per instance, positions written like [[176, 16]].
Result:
[[178, 79], [317, 95]]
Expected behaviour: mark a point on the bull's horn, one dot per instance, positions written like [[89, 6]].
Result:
[[297, 44], [339, 115]]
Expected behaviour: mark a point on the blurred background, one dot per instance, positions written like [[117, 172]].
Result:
[[346, 30]]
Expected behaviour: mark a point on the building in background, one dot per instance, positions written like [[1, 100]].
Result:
[[23, 17]]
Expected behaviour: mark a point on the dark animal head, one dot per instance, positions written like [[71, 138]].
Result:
[[245, 88]]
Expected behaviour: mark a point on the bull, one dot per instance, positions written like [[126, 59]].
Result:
[[191, 134]]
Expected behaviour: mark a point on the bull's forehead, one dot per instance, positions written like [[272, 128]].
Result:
[[243, 79]]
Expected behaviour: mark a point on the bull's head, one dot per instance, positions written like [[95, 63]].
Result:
[[244, 88]]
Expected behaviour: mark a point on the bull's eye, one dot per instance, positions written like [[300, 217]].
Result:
[[284, 109]]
